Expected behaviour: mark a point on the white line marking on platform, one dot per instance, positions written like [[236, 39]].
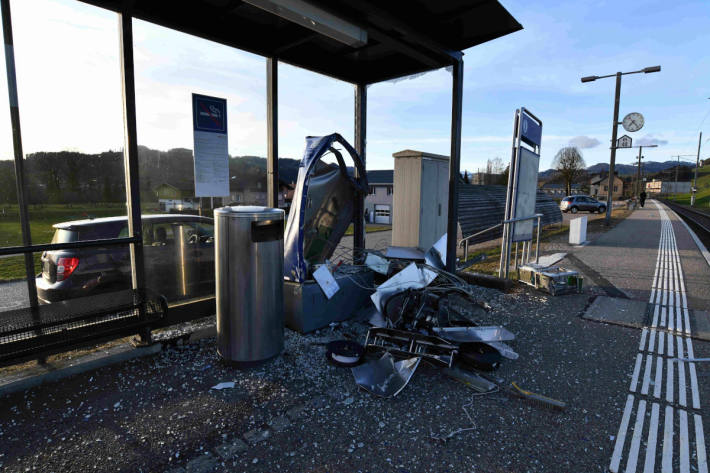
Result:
[[644, 332], [684, 446], [651, 441], [647, 375], [667, 459], [700, 452], [669, 381], [636, 438], [621, 436]]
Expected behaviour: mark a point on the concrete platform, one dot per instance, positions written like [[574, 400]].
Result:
[[615, 310]]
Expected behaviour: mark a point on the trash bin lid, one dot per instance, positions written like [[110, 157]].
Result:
[[249, 211]]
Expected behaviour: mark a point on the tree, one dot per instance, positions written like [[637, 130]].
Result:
[[569, 165], [466, 178]]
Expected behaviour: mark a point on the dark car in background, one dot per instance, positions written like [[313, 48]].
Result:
[[178, 253], [577, 203]]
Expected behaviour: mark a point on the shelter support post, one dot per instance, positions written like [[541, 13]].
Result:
[[17, 145], [360, 147], [612, 157], [454, 165], [130, 160], [272, 132]]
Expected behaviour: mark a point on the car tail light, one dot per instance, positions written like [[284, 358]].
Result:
[[66, 266]]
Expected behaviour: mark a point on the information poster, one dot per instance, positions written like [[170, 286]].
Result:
[[525, 194], [209, 119]]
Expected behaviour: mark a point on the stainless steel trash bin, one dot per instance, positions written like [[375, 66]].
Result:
[[249, 257]]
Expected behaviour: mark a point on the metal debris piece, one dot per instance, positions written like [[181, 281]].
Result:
[[322, 207], [404, 252], [472, 380], [385, 377], [505, 350], [436, 255], [411, 277], [539, 398], [225, 385], [552, 279], [377, 263], [407, 344], [377, 320], [487, 334]]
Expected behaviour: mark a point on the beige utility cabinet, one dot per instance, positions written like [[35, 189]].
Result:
[[421, 196]]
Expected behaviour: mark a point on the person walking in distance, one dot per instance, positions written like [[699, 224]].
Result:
[[642, 198]]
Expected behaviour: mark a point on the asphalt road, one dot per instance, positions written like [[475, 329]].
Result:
[[13, 295]]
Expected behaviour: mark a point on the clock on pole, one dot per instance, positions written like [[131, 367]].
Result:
[[632, 122]]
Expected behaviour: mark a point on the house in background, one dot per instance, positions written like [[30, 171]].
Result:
[[559, 190], [255, 194], [176, 198], [378, 202], [599, 187]]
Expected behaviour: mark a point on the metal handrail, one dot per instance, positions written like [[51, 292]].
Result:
[[15, 250], [462, 240], [520, 219], [465, 241]]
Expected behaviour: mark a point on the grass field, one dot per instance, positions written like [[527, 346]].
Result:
[[370, 228], [702, 198]]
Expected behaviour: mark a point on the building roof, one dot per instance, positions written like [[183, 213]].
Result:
[[403, 37], [481, 207], [383, 176], [554, 185]]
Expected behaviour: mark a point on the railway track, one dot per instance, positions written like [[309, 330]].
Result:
[[698, 220]]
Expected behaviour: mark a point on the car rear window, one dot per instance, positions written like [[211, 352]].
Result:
[[62, 235], [567, 199]]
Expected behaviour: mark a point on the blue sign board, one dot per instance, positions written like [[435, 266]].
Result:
[[209, 114], [530, 130]]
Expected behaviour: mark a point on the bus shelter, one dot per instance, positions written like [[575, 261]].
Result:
[[361, 42]]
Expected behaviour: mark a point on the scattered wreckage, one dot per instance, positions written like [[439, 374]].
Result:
[[423, 313]]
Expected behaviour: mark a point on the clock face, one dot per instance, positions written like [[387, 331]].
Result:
[[633, 122]]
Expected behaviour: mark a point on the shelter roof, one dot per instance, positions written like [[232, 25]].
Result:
[[401, 37]]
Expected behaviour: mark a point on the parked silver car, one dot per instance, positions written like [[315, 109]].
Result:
[[576, 203]]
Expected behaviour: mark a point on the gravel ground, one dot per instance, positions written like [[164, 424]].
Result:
[[298, 413]]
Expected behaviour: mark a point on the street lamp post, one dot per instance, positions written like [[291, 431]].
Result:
[[612, 158], [695, 177]]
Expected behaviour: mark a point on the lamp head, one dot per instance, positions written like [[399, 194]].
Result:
[[589, 78], [652, 69]]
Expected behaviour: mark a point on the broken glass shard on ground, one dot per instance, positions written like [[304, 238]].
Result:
[[385, 377]]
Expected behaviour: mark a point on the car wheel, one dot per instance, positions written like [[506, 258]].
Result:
[[573, 210], [602, 210]]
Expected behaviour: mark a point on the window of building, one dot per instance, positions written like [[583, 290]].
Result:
[[371, 190], [389, 190], [606, 188], [616, 188]]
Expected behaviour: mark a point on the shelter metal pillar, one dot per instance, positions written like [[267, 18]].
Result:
[[360, 147], [17, 145], [272, 132], [130, 157], [454, 165]]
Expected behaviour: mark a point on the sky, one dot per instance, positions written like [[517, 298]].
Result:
[[67, 60]]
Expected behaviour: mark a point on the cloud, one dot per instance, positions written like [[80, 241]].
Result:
[[651, 140], [584, 142]]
